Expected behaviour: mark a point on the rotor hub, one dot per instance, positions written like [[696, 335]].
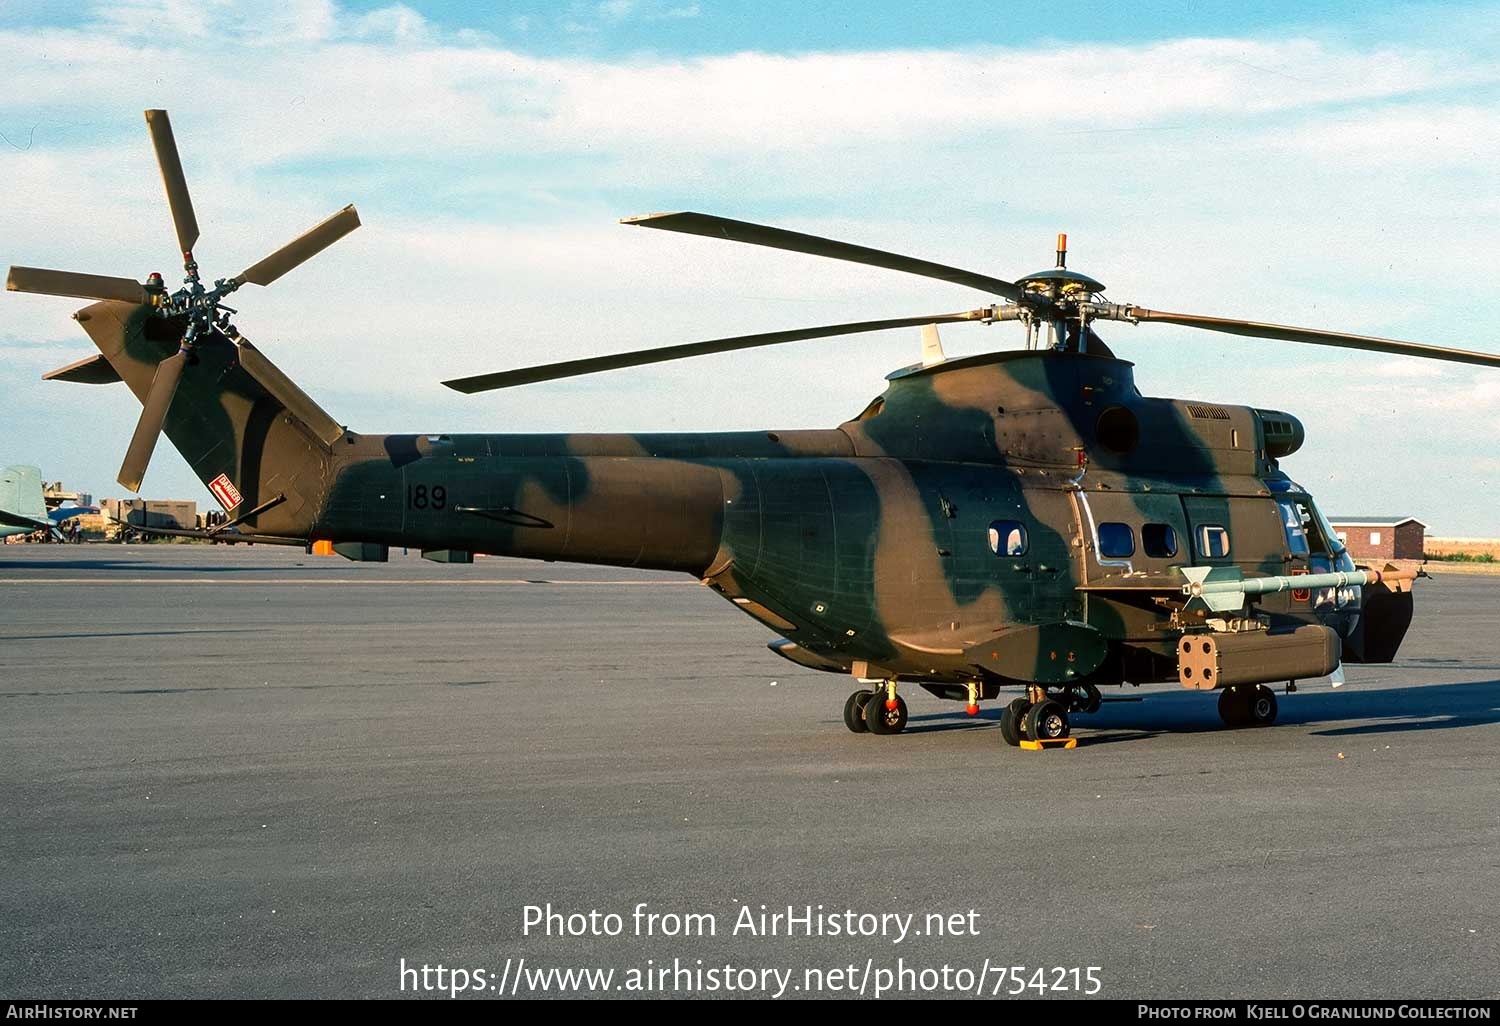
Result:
[[1058, 284]]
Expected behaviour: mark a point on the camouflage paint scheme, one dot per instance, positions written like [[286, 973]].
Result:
[[865, 548]]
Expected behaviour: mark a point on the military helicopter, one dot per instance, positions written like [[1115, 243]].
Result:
[[1023, 518]]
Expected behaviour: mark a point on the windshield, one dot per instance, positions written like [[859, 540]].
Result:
[[1329, 534]]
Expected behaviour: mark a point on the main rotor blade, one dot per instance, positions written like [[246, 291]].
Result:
[[641, 357], [779, 238], [70, 283], [305, 246], [153, 416], [171, 175], [1255, 329]]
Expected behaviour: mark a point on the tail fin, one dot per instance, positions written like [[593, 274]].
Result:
[[251, 448]]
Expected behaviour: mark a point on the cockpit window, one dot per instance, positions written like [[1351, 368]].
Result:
[[1306, 531], [1320, 533], [1292, 524]]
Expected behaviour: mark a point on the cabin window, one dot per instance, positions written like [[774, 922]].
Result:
[[1008, 538], [1374, 537], [1213, 542], [1116, 540], [1159, 540]]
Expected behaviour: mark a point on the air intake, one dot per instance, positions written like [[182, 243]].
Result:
[[1283, 433]]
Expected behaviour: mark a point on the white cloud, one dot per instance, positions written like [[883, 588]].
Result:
[[287, 22], [616, 10]]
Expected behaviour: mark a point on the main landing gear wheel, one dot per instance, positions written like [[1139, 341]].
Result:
[[854, 711], [1248, 707], [1084, 698], [1261, 711], [1234, 707], [1046, 721], [1011, 721], [881, 720]]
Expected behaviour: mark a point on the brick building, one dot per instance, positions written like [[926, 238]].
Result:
[[1381, 537]]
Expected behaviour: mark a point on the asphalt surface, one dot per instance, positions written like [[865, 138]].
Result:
[[250, 772]]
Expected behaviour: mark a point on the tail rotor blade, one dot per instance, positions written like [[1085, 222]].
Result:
[[70, 283], [153, 416], [303, 247], [172, 177]]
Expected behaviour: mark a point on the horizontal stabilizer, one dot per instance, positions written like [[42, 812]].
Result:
[[91, 370]]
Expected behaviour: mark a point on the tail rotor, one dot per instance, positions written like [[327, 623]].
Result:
[[201, 307]]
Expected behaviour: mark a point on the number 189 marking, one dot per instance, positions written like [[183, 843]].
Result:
[[422, 497]]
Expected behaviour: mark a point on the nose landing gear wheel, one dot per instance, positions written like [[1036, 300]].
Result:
[[1011, 721], [1046, 721], [854, 711], [881, 720]]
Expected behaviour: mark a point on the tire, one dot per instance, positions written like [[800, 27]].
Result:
[[1047, 721], [881, 720], [1011, 721], [1234, 707], [1260, 710], [854, 712]]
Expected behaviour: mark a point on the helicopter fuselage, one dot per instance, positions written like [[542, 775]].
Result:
[[969, 501], [1001, 519]]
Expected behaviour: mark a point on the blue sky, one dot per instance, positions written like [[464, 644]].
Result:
[[1328, 165], [620, 28]]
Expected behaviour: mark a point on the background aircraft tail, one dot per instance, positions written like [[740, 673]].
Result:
[[21, 501]]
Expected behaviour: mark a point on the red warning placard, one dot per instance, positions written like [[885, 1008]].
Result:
[[225, 491]]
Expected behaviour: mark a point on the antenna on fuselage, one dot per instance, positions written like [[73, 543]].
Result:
[[932, 346]]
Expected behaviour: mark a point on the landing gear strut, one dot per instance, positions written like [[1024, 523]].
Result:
[[1244, 706], [885, 712]]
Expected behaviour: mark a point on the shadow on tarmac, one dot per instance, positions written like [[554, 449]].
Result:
[[1387, 710], [94, 566]]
